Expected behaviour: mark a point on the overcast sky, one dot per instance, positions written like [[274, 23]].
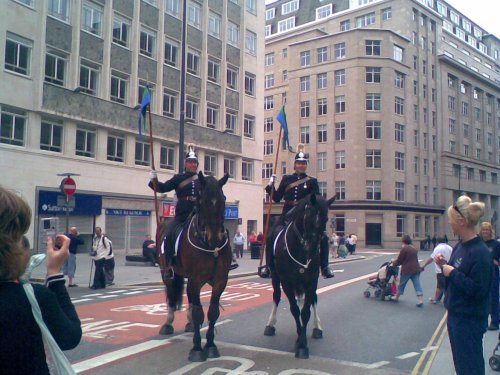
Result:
[[486, 13]]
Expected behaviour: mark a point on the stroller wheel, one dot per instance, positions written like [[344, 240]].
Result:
[[377, 293], [367, 294], [495, 363]]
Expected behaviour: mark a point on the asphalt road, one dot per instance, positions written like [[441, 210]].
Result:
[[361, 335]]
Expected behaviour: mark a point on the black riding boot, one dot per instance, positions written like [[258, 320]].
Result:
[[169, 257], [326, 272]]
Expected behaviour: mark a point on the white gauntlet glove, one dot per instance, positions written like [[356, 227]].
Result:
[[272, 180], [153, 175]]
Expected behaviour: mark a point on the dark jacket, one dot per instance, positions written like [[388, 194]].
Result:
[[145, 247], [468, 285], [186, 195], [296, 193], [408, 260], [75, 241], [21, 340]]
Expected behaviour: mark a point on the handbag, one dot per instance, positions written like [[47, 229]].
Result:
[[57, 362]]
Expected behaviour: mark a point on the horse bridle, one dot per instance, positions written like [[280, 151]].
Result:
[[207, 250]]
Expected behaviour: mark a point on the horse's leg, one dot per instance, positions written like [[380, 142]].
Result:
[[317, 330], [302, 350], [270, 329], [295, 310], [189, 325], [213, 314], [174, 300], [196, 354]]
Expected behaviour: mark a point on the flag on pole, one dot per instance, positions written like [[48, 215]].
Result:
[[146, 101], [282, 120]]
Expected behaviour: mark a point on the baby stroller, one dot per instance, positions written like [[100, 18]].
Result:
[[384, 283], [495, 358]]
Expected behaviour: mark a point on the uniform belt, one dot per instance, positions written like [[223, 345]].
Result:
[[290, 203], [188, 198]]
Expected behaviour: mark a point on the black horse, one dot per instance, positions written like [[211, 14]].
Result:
[[204, 257], [296, 263]]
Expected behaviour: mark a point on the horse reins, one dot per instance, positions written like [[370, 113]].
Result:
[[214, 251], [288, 248]]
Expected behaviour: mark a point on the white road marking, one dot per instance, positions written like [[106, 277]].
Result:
[[347, 282], [338, 271], [407, 355], [92, 295], [108, 296], [137, 292], [81, 300], [429, 348]]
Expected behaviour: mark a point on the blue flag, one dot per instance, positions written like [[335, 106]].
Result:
[[282, 120], [146, 101]]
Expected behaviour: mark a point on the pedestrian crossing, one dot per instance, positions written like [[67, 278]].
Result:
[[113, 293]]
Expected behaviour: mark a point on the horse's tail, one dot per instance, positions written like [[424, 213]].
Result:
[[174, 292]]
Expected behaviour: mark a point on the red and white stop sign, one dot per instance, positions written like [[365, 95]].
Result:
[[68, 186]]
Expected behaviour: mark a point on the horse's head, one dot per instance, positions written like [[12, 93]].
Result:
[[211, 204], [310, 217]]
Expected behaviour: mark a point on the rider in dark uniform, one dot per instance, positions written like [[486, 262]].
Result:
[[187, 189], [294, 187]]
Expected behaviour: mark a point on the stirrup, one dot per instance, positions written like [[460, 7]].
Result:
[[327, 273], [264, 272], [169, 274], [233, 265]]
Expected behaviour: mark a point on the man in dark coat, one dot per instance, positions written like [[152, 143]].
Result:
[[187, 189], [294, 187]]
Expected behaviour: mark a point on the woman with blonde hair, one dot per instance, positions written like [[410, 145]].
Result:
[[22, 337], [468, 280], [488, 235]]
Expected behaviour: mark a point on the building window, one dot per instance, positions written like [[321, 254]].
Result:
[[194, 14], [373, 129], [59, 9], [398, 53], [340, 131], [399, 133], [212, 116], [193, 62], [270, 13], [373, 101], [192, 110], [252, 6], [399, 106], [322, 107], [268, 147], [116, 146], [171, 52], [399, 80], [269, 59], [268, 102], [340, 104], [269, 81], [322, 81], [400, 225], [55, 69], [118, 89], [231, 121], [322, 54], [304, 134], [268, 124], [230, 167], [214, 23], [400, 191], [247, 170], [339, 49], [373, 47], [386, 14], [169, 103], [373, 190], [18, 54], [233, 34], [232, 78], [372, 74], [167, 157], [172, 7], [340, 190], [451, 126], [121, 31], [210, 165], [399, 161], [339, 159], [322, 133], [147, 42], [140, 92], [304, 109], [290, 7], [213, 72], [286, 24], [51, 137], [250, 42], [267, 170], [322, 188], [85, 142], [345, 25], [324, 11], [92, 18], [365, 20], [305, 84], [340, 77], [373, 159], [305, 58], [249, 126], [89, 79]]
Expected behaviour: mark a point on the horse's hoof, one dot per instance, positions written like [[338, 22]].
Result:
[[189, 327], [197, 356], [302, 353], [166, 329], [269, 331], [317, 333], [211, 352]]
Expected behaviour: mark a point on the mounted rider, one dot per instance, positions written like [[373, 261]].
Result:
[[187, 190], [293, 188]]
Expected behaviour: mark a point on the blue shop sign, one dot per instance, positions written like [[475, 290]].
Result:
[[122, 212], [51, 202], [231, 212]]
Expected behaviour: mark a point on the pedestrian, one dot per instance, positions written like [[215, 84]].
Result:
[[488, 234], [101, 248], [334, 244], [342, 249], [260, 238], [348, 243], [410, 270], [187, 191], [444, 249], [109, 263], [149, 251], [354, 241], [434, 242], [238, 242], [468, 281], [293, 188], [21, 338], [69, 266]]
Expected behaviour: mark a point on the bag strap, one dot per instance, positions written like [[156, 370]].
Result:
[[186, 182], [57, 362], [297, 183]]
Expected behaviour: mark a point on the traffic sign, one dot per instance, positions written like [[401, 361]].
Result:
[[68, 186]]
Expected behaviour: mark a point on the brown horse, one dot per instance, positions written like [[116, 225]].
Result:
[[204, 257]]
